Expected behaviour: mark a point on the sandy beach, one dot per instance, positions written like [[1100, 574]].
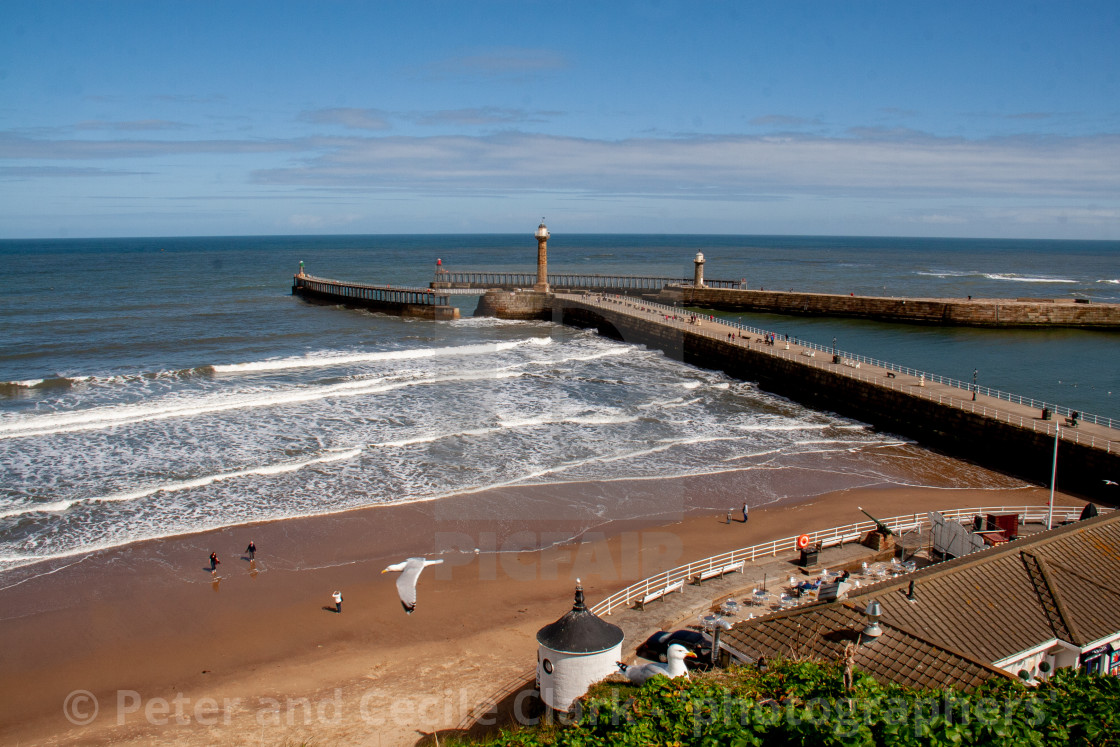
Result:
[[142, 644]]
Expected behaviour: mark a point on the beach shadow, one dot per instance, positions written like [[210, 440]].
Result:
[[328, 608], [503, 714]]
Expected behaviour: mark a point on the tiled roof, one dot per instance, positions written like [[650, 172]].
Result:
[[967, 612], [824, 631], [1064, 583]]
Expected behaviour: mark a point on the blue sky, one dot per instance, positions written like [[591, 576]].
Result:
[[871, 118]]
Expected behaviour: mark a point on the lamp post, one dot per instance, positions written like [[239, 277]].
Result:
[[1053, 479], [834, 358], [974, 372]]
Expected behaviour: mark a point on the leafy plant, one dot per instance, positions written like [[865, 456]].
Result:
[[807, 703]]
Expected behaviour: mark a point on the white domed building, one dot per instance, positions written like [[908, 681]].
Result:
[[575, 652]]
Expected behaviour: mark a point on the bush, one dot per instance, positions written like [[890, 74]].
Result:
[[805, 703]]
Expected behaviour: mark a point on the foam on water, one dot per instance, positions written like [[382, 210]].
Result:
[[332, 360], [1021, 279]]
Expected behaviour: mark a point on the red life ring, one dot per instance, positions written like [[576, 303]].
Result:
[[802, 542]]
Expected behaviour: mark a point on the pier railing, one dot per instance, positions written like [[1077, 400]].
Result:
[[966, 402], [831, 537], [569, 281], [377, 293]]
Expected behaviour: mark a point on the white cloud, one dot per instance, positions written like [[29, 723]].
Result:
[[19, 147], [355, 119], [893, 166], [134, 126]]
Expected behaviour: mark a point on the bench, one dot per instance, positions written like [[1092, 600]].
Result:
[[850, 364], [716, 572], [890, 374], [655, 595], [809, 353]]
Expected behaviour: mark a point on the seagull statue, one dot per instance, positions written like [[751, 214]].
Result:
[[406, 582], [673, 668]]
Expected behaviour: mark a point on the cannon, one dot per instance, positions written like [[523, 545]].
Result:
[[882, 528]]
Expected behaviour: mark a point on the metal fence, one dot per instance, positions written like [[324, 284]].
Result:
[[371, 293], [825, 538]]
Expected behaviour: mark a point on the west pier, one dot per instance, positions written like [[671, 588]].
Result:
[[421, 303]]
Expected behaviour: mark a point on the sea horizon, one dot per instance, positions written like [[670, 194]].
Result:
[[558, 236]]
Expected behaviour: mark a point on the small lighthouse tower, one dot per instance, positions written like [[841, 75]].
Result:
[[575, 652], [698, 282], [542, 258]]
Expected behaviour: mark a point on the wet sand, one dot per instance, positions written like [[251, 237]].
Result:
[[169, 653]]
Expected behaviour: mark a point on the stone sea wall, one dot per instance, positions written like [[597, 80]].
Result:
[[962, 312]]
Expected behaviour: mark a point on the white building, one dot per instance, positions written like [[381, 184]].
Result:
[[575, 652]]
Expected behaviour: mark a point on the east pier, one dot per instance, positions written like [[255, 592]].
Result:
[[961, 312]]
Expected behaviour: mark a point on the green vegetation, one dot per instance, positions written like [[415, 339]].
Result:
[[809, 703]]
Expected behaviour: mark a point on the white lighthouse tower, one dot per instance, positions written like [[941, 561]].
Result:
[[574, 653], [698, 280]]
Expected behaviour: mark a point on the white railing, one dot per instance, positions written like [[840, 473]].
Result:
[[625, 304], [824, 537]]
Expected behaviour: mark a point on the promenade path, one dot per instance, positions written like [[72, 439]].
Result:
[[1091, 430]]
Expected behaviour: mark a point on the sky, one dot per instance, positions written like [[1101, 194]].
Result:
[[889, 118]]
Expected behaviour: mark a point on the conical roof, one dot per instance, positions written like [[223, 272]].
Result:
[[580, 631]]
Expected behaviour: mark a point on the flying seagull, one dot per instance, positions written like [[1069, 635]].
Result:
[[406, 583], [673, 668], [1109, 482]]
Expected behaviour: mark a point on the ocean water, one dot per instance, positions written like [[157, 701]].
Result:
[[151, 387]]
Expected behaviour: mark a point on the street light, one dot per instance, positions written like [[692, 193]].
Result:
[[974, 372], [1053, 479]]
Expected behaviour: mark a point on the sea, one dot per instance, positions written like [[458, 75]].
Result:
[[152, 387]]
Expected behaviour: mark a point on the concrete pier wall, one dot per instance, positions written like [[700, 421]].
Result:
[[515, 305], [384, 299], [960, 312], [992, 443]]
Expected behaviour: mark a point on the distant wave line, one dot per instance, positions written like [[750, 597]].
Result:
[[283, 364], [1025, 279], [1008, 276], [107, 417], [172, 487]]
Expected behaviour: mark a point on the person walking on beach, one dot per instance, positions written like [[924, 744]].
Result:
[[251, 550], [337, 597], [214, 561], [745, 513]]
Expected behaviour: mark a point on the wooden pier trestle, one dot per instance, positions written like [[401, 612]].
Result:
[[411, 302]]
